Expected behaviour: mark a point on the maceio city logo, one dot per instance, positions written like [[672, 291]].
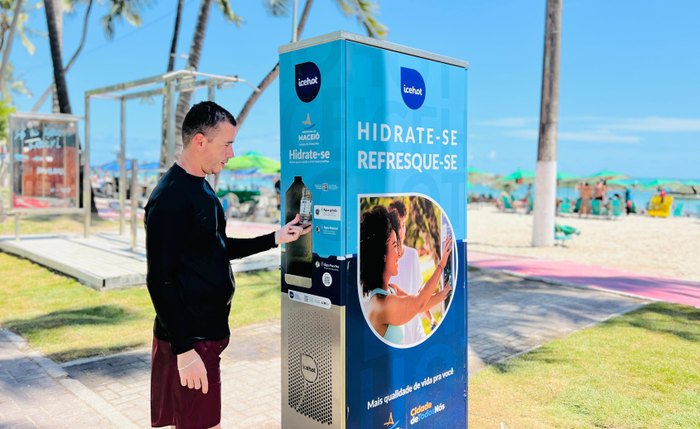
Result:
[[412, 88], [422, 412], [390, 423], [307, 81]]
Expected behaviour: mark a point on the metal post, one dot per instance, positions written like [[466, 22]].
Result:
[[170, 156], [134, 201], [86, 169], [211, 92], [294, 22], [17, 226], [122, 166]]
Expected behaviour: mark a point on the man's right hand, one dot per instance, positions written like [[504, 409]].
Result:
[[193, 373]]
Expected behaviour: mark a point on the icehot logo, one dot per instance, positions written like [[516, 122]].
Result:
[[307, 81], [412, 88]]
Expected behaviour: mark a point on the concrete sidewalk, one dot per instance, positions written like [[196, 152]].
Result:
[[507, 316]]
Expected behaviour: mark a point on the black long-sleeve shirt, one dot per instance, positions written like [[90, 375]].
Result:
[[189, 274]]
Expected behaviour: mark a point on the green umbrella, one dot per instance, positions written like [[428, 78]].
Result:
[[474, 175], [474, 170], [518, 175], [620, 184], [566, 180], [662, 183], [608, 175], [690, 187], [253, 159]]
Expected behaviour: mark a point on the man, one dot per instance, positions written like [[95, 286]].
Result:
[[409, 278], [189, 273]]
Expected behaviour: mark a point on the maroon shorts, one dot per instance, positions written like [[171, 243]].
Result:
[[173, 404]]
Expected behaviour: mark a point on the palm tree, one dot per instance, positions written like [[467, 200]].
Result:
[[546, 176], [8, 46], [183, 101], [120, 9], [59, 76], [364, 10], [171, 67], [59, 19]]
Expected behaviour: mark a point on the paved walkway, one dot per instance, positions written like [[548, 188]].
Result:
[[507, 316], [564, 272]]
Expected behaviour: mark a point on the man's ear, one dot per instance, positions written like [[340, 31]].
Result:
[[198, 139]]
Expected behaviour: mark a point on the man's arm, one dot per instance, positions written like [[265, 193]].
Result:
[[242, 247]]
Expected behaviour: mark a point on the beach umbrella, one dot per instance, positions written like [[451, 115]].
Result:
[[566, 180], [608, 175], [149, 166], [689, 187], [617, 184], [474, 175], [662, 183], [518, 175], [253, 159], [114, 165]]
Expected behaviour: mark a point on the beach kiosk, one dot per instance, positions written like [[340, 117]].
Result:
[[368, 127]]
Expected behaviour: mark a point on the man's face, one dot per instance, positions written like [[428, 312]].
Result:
[[402, 233], [217, 147]]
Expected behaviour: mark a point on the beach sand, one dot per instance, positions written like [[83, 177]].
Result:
[[661, 247]]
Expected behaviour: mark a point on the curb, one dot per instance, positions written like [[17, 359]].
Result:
[[56, 372]]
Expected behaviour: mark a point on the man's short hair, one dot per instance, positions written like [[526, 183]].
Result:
[[201, 118], [399, 206]]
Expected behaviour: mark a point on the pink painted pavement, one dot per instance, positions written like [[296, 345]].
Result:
[[655, 288]]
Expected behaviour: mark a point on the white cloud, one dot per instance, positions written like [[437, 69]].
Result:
[[600, 136], [597, 136], [528, 134], [656, 124]]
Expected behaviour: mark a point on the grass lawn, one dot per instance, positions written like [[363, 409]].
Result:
[[66, 320], [640, 370], [53, 224]]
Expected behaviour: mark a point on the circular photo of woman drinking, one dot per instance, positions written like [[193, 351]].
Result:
[[405, 267]]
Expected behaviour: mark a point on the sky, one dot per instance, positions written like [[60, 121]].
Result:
[[629, 76]]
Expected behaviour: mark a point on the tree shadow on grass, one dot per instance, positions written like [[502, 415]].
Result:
[[678, 320], [97, 315], [88, 352]]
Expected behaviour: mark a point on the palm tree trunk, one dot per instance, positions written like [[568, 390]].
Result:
[[171, 67], [183, 101], [176, 34], [8, 47], [546, 176], [54, 42], [272, 74], [51, 89]]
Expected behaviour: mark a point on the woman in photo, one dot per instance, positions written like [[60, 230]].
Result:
[[389, 306]]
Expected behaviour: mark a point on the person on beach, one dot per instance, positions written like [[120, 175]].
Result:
[[662, 194], [189, 274], [390, 307], [409, 277], [600, 191], [586, 193]]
